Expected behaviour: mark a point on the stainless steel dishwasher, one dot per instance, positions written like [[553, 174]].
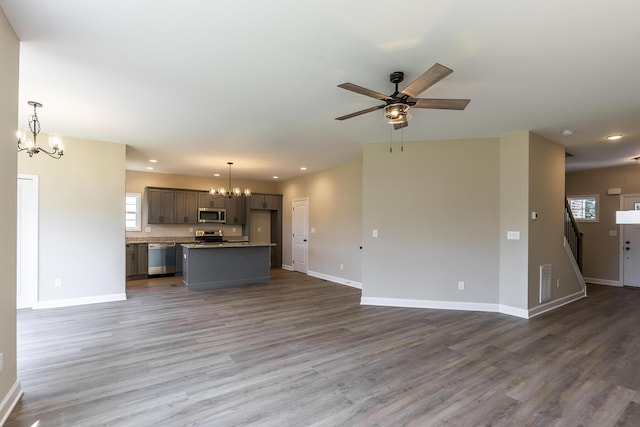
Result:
[[162, 258]]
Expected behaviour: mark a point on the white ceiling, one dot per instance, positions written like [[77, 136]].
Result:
[[197, 83]]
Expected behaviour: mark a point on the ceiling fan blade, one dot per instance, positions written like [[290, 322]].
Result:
[[401, 125], [358, 113], [364, 91], [430, 77], [441, 104]]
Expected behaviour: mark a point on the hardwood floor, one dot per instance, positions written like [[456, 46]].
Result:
[[302, 351]]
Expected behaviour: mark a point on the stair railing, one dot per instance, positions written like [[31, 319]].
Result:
[[572, 234]]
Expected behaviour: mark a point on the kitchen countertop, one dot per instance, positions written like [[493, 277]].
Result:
[[183, 239], [225, 245]]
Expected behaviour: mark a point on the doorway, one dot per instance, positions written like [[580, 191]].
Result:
[[27, 242], [630, 244], [300, 227]]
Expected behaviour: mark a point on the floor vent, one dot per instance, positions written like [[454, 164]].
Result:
[[545, 282]]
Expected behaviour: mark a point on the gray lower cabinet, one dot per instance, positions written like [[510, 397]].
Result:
[[137, 263], [179, 258]]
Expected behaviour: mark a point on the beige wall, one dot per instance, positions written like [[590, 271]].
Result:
[[137, 181], [335, 211], [601, 257], [81, 220], [514, 211], [436, 207], [9, 49], [546, 234]]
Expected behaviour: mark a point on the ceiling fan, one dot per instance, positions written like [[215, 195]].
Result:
[[398, 104]]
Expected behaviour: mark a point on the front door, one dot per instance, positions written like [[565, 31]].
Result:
[[631, 245], [300, 234]]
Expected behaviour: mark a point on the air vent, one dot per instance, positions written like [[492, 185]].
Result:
[[545, 282]]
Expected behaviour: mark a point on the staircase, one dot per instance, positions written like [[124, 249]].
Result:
[[572, 235]]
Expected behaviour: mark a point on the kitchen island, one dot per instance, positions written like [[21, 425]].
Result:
[[215, 265]]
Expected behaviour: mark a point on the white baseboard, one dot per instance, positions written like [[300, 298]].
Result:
[[9, 402], [513, 311], [287, 267], [79, 301], [335, 279], [603, 281], [443, 305], [552, 305]]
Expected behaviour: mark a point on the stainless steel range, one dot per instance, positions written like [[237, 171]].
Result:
[[207, 236]]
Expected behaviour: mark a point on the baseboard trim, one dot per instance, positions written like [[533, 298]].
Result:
[[603, 282], [514, 311], [79, 301], [9, 402], [287, 267], [552, 305], [441, 305], [335, 279]]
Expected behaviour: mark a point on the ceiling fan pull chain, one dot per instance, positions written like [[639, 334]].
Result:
[[402, 140], [390, 141]]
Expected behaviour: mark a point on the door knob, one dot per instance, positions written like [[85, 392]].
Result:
[[627, 248], [304, 240]]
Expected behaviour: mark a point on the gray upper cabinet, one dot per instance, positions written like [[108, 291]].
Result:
[[205, 200], [160, 206], [269, 202], [236, 210], [186, 207]]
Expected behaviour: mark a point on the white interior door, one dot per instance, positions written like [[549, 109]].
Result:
[[27, 242], [300, 229], [631, 245]]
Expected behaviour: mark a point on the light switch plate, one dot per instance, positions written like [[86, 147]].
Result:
[[613, 233], [513, 235], [375, 233]]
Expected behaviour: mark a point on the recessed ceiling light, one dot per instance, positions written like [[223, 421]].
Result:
[[275, 177], [568, 132], [614, 137], [149, 168], [303, 168], [216, 174], [153, 160]]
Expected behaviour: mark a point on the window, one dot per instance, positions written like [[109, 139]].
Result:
[[584, 208], [132, 211]]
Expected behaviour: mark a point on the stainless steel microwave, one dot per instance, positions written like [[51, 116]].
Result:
[[212, 215]]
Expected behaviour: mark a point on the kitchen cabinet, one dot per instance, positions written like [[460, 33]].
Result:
[[205, 200], [236, 210], [185, 207], [269, 202], [178, 258], [160, 206], [137, 260]]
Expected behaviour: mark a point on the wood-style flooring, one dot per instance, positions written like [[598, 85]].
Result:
[[301, 351]]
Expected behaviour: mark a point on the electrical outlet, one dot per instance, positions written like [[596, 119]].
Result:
[[558, 283], [234, 229], [375, 233], [259, 229], [57, 283], [1, 362], [341, 266], [461, 286]]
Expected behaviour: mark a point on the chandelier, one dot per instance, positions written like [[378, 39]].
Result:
[[231, 191], [29, 144]]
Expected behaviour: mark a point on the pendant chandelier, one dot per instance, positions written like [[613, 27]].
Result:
[[29, 143], [230, 191]]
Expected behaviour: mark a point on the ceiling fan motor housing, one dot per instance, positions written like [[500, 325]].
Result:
[[396, 77]]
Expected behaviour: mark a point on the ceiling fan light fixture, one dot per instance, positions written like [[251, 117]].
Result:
[[396, 113]]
